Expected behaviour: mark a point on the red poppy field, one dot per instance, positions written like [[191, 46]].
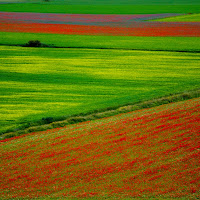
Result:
[[87, 24], [147, 153]]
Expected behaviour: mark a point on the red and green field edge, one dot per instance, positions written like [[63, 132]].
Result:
[[51, 123], [151, 153]]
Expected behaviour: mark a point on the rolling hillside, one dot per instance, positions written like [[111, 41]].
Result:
[[38, 83], [147, 153], [92, 66], [95, 60]]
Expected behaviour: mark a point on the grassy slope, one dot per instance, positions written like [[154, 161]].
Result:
[[50, 123], [151, 152], [126, 42], [48, 82], [182, 18], [100, 9]]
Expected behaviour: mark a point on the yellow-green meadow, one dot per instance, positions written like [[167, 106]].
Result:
[[39, 83]]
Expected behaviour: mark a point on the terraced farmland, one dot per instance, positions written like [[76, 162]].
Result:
[[147, 153]]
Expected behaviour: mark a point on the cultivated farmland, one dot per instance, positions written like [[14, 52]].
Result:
[[181, 44], [48, 82], [79, 24], [147, 153], [95, 59], [102, 9]]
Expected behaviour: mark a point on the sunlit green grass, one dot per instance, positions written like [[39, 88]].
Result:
[[126, 42], [182, 18], [49, 82], [100, 9]]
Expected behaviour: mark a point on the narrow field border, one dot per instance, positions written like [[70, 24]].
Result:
[[51, 123], [191, 197]]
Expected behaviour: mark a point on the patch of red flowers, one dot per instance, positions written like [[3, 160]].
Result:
[[174, 30], [86, 24], [147, 153]]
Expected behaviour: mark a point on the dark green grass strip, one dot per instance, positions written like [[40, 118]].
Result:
[[109, 2], [100, 9], [187, 44], [50, 123]]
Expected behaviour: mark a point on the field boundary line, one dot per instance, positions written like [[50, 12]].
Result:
[[51, 123]]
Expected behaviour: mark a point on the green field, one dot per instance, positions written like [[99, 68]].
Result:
[[182, 18], [111, 2], [100, 9], [121, 42], [50, 82], [94, 72]]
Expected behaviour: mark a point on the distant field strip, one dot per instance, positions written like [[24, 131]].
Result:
[[86, 19], [110, 2], [182, 18], [192, 30], [76, 24], [152, 154], [100, 9], [48, 82], [190, 44]]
